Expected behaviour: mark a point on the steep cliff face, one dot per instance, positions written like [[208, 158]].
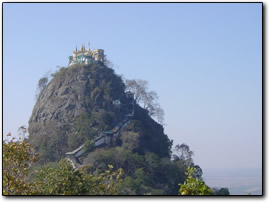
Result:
[[77, 105], [74, 94]]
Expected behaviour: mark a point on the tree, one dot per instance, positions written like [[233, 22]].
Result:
[[198, 171], [147, 99], [61, 179], [138, 87], [183, 155], [17, 159], [65, 180], [183, 152], [159, 114], [130, 140], [42, 83], [194, 186], [221, 191], [108, 63]]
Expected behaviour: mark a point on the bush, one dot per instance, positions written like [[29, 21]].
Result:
[[194, 186], [17, 159], [64, 180]]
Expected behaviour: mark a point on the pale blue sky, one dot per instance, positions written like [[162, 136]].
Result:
[[203, 60]]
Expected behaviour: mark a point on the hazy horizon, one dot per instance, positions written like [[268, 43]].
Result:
[[238, 181]]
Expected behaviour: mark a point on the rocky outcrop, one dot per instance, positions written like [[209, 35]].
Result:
[[77, 106], [73, 92]]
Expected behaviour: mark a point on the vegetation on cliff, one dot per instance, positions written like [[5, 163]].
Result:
[[19, 177], [73, 109], [77, 105]]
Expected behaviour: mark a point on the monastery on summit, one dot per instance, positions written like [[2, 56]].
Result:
[[84, 56]]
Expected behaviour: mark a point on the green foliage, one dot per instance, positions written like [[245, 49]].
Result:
[[84, 129], [142, 150], [42, 83], [89, 146], [221, 191], [59, 72], [17, 159], [64, 180], [184, 153], [57, 179], [130, 140], [51, 147], [90, 125], [144, 174], [139, 184], [148, 136], [194, 186]]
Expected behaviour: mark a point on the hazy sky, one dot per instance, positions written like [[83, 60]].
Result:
[[203, 60]]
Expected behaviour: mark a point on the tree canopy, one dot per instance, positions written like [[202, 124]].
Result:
[[194, 186], [60, 179], [147, 99]]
